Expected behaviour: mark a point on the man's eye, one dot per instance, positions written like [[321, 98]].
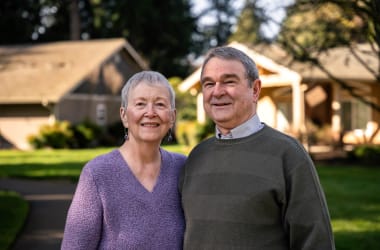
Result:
[[208, 84], [229, 82]]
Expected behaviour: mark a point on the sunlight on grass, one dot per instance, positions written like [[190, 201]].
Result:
[[358, 225], [59, 163], [50, 156]]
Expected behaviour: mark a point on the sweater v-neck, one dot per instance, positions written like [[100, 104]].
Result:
[[136, 182]]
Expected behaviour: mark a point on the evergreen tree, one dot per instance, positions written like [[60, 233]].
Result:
[[249, 23], [160, 31], [215, 32]]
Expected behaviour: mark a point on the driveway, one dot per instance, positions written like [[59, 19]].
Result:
[[48, 205]]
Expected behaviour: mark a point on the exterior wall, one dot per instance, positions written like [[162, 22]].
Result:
[[97, 98], [17, 122], [275, 108], [102, 110], [370, 133]]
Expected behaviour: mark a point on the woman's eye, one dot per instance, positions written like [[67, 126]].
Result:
[[161, 105], [140, 104]]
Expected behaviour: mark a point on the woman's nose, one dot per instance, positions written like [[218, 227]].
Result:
[[150, 110]]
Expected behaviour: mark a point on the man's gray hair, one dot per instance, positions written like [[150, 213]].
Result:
[[230, 53]]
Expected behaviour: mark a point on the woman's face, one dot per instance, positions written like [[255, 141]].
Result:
[[148, 115]]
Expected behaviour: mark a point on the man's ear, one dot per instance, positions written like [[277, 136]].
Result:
[[256, 86]]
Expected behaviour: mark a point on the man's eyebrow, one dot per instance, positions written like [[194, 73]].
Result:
[[225, 76]]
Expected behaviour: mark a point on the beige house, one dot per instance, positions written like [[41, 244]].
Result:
[[302, 100], [71, 80]]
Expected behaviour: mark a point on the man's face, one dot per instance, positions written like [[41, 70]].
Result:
[[227, 97]]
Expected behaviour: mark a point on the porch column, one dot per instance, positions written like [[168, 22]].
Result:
[[336, 127], [298, 107], [201, 115]]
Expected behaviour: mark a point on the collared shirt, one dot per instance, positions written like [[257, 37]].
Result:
[[247, 128]]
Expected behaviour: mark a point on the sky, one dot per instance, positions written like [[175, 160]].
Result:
[[272, 7]]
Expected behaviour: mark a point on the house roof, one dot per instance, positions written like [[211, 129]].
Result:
[[43, 73], [341, 62], [277, 75]]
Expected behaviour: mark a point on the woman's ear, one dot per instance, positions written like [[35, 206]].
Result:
[[173, 115], [123, 116]]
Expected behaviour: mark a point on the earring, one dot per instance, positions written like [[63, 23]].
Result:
[[126, 137], [170, 137]]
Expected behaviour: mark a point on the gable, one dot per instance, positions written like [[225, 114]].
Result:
[[272, 74], [44, 73]]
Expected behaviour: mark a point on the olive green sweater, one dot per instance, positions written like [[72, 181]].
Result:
[[257, 192]]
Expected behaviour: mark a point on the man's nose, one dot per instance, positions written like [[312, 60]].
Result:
[[219, 89]]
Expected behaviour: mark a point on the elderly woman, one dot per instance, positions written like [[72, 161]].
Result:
[[128, 198]]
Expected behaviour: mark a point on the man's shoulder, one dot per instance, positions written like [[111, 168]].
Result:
[[204, 143], [273, 133]]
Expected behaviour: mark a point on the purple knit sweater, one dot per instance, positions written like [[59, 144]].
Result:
[[112, 210]]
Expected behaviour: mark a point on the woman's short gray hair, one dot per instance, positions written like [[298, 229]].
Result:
[[150, 78]]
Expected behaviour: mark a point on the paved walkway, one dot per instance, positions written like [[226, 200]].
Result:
[[48, 205]]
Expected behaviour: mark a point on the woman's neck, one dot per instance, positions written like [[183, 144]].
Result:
[[144, 160]]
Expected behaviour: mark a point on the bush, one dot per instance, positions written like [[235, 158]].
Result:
[[186, 133], [86, 135], [190, 133], [58, 135], [366, 153], [62, 134]]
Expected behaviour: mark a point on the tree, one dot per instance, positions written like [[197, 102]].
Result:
[[249, 22], [313, 27], [160, 31], [221, 17], [28, 21]]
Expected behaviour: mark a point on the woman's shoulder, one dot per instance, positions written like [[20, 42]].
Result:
[[178, 158], [103, 160]]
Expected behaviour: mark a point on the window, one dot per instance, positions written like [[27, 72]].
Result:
[[101, 114], [355, 115]]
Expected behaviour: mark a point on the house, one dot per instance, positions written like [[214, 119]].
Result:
[[302, 100], [70, 80]]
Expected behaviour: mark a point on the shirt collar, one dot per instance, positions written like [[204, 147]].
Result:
[[247, 128]]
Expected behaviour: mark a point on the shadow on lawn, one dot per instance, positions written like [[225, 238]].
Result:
[[65, 170], [357, 240]]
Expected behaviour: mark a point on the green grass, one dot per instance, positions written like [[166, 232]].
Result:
[[13, 211], [352, 192], [48, 164], [353, 197]]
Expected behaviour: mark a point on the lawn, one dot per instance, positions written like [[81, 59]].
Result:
[[47, 164], [353, 198], [13, 211], [352, 192]]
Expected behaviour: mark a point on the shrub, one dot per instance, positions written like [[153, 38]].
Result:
[[366, 153], [62, 134], [186, 133], [57, 135], [86, 135]]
